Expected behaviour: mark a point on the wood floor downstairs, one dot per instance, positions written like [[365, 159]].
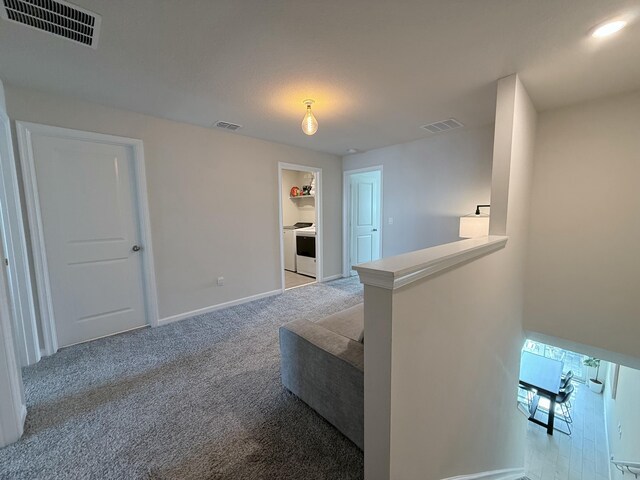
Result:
[[581, 456]]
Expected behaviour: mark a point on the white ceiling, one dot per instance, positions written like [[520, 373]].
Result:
[[378, 69]]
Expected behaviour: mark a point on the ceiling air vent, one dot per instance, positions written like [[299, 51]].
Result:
[[228, 126], [55, 17], [442, 126]]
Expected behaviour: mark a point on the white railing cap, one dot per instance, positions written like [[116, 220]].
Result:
[[401, 270]]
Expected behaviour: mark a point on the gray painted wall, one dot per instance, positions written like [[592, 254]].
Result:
[[207, 190], [428, 184]]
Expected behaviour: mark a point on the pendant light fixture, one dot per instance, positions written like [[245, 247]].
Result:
[[309, 122]]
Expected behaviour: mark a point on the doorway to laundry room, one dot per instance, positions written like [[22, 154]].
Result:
[[300, 223]]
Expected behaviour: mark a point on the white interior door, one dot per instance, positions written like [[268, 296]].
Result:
[[364, 235], [86, 194]]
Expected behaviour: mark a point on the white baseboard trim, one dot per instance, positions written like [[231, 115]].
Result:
[[213, 308], [332, 277], [506, 474]]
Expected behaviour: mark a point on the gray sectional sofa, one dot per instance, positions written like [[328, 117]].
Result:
[[323, 364]]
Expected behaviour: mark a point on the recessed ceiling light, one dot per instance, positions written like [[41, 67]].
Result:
[[609, 28], [352, 150]]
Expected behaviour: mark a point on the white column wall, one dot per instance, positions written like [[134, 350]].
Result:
[[12, 407], [445, 343]]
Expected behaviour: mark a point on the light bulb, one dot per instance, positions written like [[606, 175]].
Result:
[[309, 122]]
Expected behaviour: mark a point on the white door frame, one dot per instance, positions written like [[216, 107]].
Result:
[[346, 207], [13, 410], [25, 329], [45, 301], [318, 219]]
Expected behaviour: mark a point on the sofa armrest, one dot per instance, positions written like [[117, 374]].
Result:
[[326, 370]]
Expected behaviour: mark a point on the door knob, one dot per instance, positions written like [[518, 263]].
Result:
[[374, 230], [136, 248]]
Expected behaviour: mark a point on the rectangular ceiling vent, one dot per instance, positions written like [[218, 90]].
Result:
[[442, 126], [55, 17], [228, 126]]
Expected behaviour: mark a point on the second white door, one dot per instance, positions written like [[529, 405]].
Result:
[[90, 225], [364, 217]]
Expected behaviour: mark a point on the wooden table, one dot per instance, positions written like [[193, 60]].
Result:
[[544, 375]]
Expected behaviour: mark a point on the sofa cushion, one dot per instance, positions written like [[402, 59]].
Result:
[[348, 323]]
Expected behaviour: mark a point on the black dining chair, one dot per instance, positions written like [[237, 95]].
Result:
[[565, 379], [565, 383], [563, 401]]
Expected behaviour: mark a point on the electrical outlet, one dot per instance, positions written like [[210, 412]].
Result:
[[390, 220], [220, 281]]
